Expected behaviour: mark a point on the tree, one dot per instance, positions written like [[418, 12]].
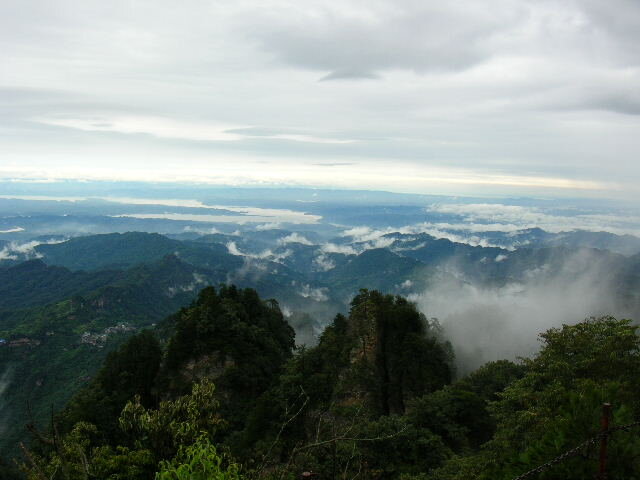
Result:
[[175, 423], [199, 461], [146, 437], [338, 407], [400, 357], [557, 404], [131, 370], [234, 338]]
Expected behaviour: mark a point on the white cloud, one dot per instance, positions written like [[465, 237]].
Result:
[[24, 251], [294, 238], [410, 247], [234, 250], [324, 263], [335, 248], [375, 238], [362, 234], [198, 281], [511, 218], [316, 294], [382, 242], [368, 238], [171, 128], [267, 254], [156, 126], [487, 323], [201, 231], [268, 226]]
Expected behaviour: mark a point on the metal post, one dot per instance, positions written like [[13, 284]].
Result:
[[604, 427]]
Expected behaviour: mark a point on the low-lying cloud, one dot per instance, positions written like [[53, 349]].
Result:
[[25, 250], [294, 238], [198, 282], [335, 248], [490, 323], [316, 294], [267, 254], [324, 263], [485, 217], [16, 251]]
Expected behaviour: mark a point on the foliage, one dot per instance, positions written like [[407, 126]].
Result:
[[199, 461], [459, 412], [557, 404], [234, 337], [399, 358], [73, 458], [328, 410], [55, 365], [34, 283], [130, 371], [174, 423], [374, 398], [147, 436], [125, 250]]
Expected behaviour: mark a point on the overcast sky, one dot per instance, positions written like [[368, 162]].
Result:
[[469, 96]]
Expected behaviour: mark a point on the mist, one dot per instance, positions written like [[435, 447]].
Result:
[[17, 251], [486, 323]]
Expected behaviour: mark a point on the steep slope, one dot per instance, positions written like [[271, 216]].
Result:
[[50, 351], [112, 250], [376, 269], [35, 283], [431, 250], [138, 296], [123, 250], [232, 336]]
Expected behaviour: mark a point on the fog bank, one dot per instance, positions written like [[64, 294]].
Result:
[[490, 323]]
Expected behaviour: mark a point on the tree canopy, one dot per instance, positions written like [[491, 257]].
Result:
[[228, 396]]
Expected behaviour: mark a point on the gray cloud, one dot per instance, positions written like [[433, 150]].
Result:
[[359, 43], [475, 96], [350, 74], [615, 24]]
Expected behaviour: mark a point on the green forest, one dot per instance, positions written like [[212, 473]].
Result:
[[219, 390]]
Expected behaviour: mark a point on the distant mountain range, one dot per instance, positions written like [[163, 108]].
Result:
[[64, 306]]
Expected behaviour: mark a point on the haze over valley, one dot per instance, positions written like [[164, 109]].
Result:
[[487, 268]]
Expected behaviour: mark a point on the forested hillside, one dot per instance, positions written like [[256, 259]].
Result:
[[221, 392], [359, 375]]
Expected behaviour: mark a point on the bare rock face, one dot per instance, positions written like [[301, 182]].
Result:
[[211, 366]]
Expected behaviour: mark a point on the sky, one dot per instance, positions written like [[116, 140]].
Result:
[[478, 97]]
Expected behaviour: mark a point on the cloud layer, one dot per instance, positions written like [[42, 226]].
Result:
[[486, 323], [475, 96]]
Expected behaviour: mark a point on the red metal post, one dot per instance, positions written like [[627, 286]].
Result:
[[604, 427]]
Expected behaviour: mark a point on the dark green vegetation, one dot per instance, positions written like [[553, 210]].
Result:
[[222, 393], [125, 250], [58, 325], [34, 283], [52, 350], [376, 395], [314, 278], [294, 272]]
